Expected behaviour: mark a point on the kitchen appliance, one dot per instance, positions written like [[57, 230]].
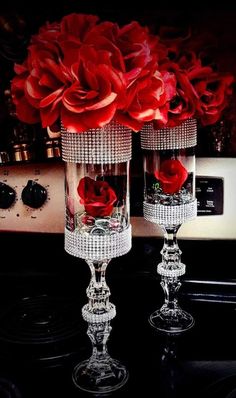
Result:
[[32, 199]]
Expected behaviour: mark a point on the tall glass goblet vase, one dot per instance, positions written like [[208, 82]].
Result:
[[169, 201], [98, 227]]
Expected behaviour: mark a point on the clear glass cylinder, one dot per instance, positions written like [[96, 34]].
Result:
[[97, 208], [97, 192], [169, 174], [169, 177]]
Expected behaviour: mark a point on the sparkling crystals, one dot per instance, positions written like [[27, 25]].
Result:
[[101, 226], [102, 223], [98, 231], [98, 246], [116, 224], [110, 144], [170, 215], [183, 196], [182, 136], [88, 221], [91, 316], [173, 272]]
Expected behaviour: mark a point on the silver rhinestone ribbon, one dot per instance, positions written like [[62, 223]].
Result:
[[170, 215], [182, 136], [171, 272], [110, 144], [89, 316], [98, 247]]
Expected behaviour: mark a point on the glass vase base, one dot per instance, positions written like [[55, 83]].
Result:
[[172, 321], [100, 377]]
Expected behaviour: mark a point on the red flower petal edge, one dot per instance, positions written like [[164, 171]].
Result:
[[172, 175]]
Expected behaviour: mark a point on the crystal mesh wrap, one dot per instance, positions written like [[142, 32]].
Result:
[[110, 144], [170, 215], [171, 273], [89, 316], [96, 247], [182, 136]]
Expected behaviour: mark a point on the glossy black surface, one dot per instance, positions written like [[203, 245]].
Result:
[[43, 336]]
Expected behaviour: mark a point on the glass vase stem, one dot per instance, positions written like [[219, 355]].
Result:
[[170, 287], [171, 265], [171, 253], [98, 292], [170, 317], [99, 334], [98, 308]]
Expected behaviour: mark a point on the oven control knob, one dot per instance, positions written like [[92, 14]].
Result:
[[7, 196], [33, 194]]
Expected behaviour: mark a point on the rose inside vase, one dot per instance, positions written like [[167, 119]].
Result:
[[169, 176], [97, 201]]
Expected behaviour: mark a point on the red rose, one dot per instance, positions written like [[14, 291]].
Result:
[[92, 99], [97, 197], [213, 89], [143, 99], [181, 97], [37, 89], [172, 175], [138, 48], [24, 110], [78, 25]]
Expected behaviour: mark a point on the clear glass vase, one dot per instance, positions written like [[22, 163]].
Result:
[[169, 201], [97, 218]]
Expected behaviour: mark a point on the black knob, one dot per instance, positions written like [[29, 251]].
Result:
[[33, 194], [7, 196]]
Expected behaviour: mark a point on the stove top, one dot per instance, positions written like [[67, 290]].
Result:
[[43, 335]]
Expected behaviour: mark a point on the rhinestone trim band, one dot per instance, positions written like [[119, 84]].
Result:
[[89, 316], [97, 248], [182, 136], [171, 273], [110, 144], [170, 215]]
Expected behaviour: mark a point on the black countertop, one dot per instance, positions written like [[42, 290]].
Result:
[[43, 335]]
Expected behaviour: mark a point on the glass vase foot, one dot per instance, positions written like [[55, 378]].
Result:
[[100, 374], [170, 320], [101, 377]]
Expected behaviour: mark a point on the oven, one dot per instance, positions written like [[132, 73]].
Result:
[[32, 199]]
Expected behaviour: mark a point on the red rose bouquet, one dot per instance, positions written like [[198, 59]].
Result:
[[85, 73]]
